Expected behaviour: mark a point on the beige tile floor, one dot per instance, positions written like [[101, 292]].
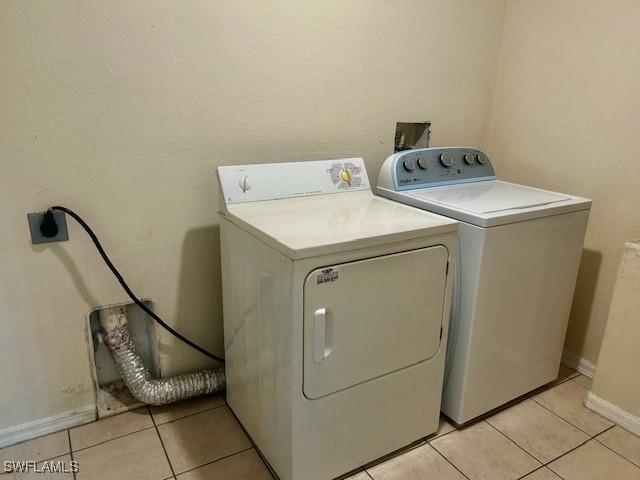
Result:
[[548, 436]]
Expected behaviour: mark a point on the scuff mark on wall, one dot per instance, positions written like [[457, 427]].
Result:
[[79, 389]]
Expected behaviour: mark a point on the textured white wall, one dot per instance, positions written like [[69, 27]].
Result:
[[617, 380], [122, 110], [566, 117]]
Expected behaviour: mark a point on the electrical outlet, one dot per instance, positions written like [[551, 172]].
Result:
[[35, 219]]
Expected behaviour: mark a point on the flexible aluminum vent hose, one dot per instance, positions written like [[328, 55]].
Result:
[[138, 379]]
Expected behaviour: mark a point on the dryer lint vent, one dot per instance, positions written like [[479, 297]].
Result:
[[111, 394]]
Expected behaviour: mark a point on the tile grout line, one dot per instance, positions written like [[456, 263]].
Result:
[[514, 442], [449, 461], [609, 448], [126, 434], [173, 473], [573, 379], [431, 439], [396, 453], [216, 460], [548, 465], [112, 439], [570, 423], [590, 437], [267, 465], [605, 430], [576, 374], [71, 451], [584, 443], [531, 472], [190, 414], [525, 397], [136, 431]]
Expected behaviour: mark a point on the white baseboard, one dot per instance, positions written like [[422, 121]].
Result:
[[585, 367], [44, 426], [613, 413]]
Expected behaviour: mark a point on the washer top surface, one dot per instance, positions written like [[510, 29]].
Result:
[[460, 182], [488, 196], [306, 209]]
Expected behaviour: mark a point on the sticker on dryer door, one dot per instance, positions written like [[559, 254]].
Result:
[[327, 275]]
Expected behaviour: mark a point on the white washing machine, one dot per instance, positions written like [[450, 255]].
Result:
[[520, 250], [336, 307]]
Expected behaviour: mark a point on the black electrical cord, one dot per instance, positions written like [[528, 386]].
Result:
[[126, 288]]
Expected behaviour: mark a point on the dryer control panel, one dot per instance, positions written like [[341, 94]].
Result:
[[272, 181], [432, 167]]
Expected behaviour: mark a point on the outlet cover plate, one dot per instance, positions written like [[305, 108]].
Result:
[[35, 219]]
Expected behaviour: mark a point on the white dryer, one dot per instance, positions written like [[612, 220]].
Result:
[[520, 250], [336, 307]]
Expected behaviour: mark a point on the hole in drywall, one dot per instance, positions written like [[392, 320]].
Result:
[[111, 394], [410, 135]]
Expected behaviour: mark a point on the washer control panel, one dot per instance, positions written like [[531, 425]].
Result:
[[431, 167]]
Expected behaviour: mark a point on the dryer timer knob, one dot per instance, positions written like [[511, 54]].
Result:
[[345, 176], [244, 183]]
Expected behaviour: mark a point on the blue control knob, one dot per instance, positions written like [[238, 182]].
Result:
[[408, 165], [446, 159]]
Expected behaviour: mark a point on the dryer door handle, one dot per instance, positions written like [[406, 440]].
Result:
[[322, 334]]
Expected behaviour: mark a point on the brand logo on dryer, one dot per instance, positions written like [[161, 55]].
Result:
[[328, 275]]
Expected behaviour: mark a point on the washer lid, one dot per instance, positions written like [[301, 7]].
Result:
[[488, 196]]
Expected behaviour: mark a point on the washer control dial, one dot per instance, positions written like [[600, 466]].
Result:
[[469, 159], [408, 165], [481, 159], [446, 159], [423, 163]]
